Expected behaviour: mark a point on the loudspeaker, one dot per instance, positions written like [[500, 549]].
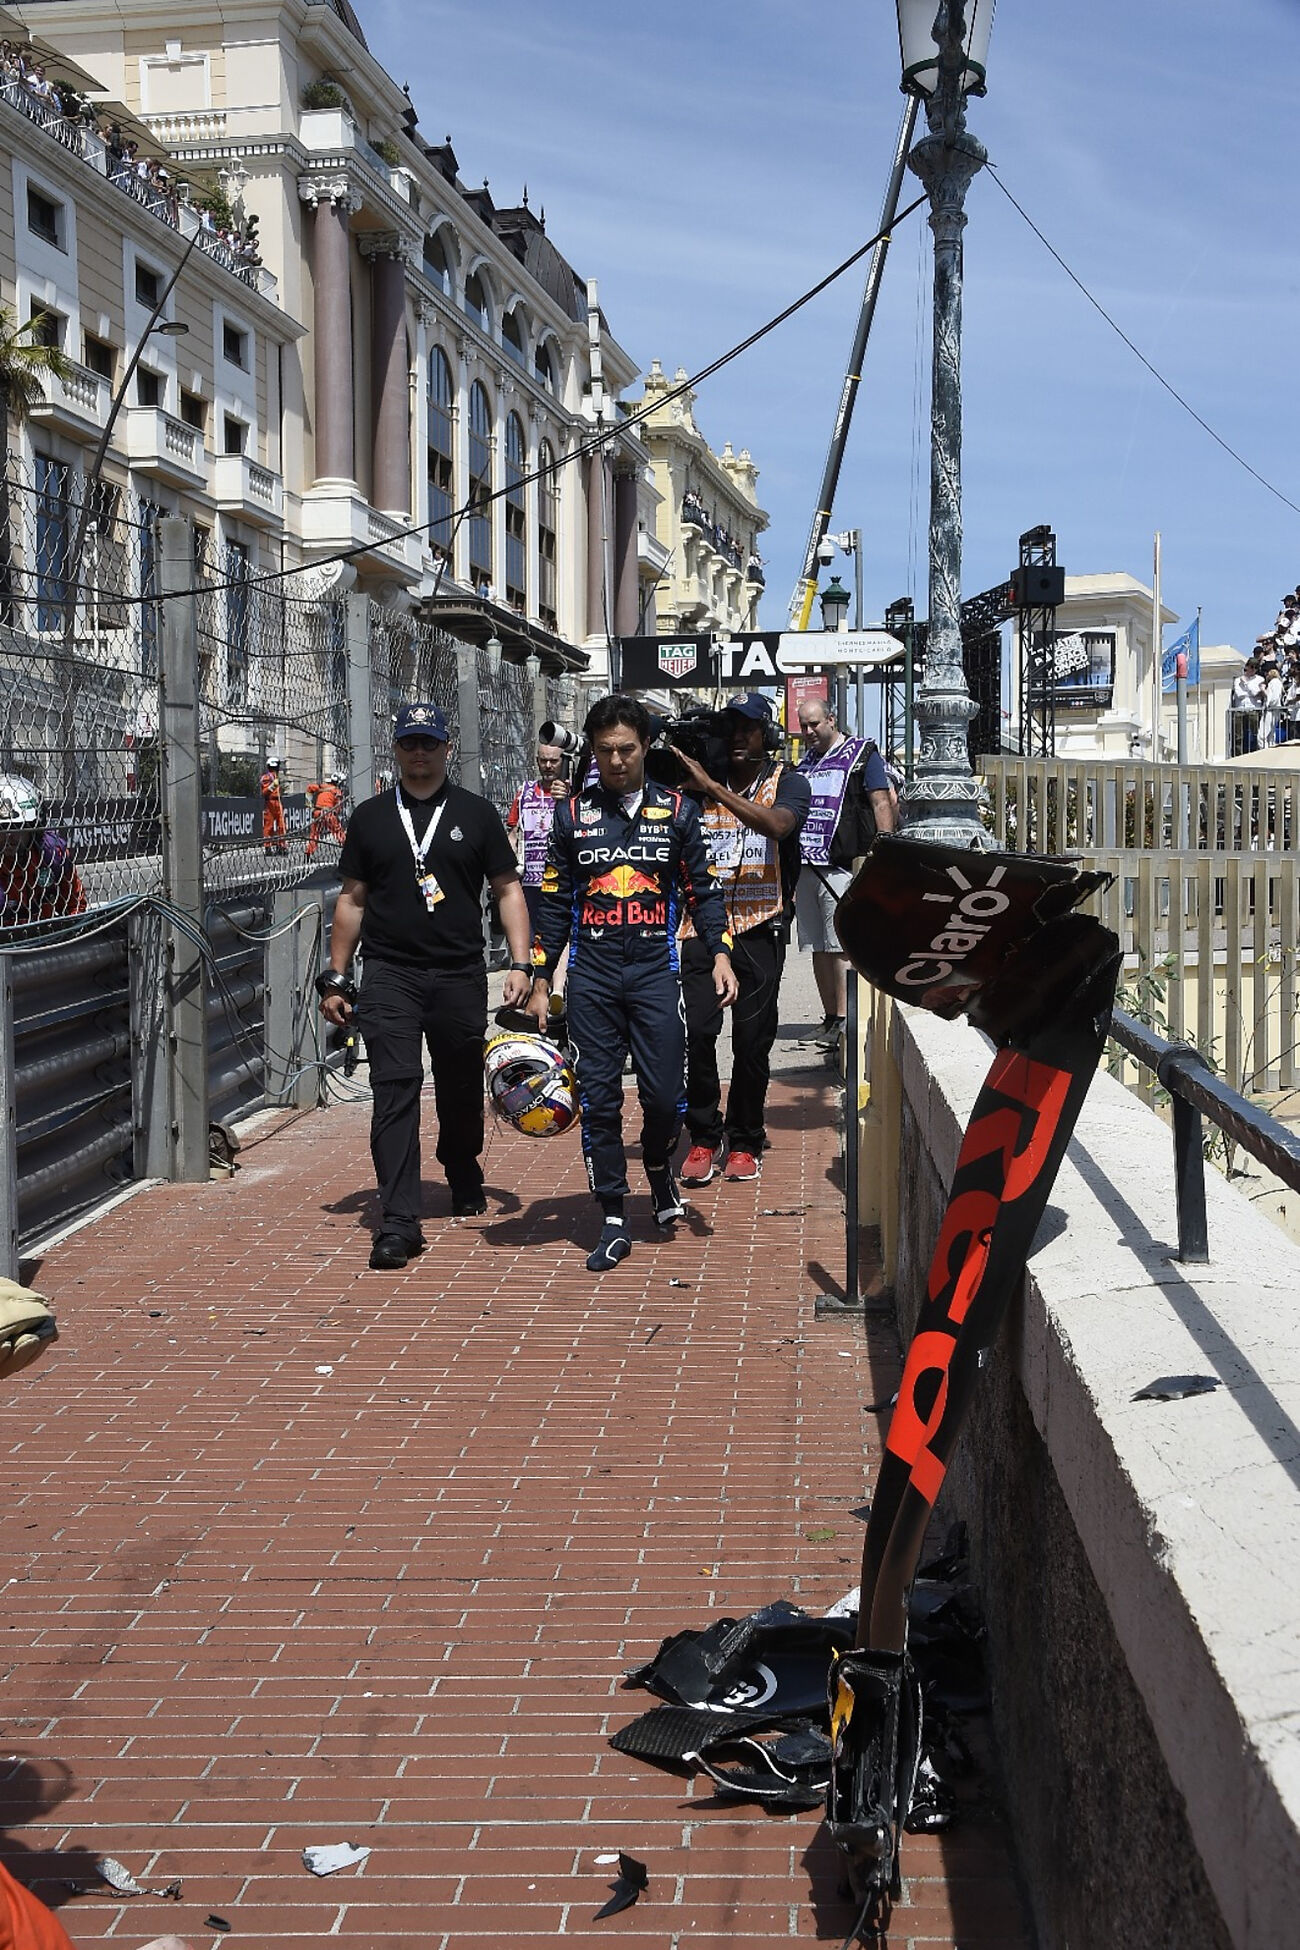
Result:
[[1037, 585]]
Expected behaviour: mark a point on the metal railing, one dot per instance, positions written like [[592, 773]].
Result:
[[1195, 1093], [1062, 805]]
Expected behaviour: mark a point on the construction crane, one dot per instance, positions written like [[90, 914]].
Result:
[[806, 589]]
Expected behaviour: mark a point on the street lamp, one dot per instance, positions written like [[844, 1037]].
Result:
[[493, 648], [944, 55], [835, 605]]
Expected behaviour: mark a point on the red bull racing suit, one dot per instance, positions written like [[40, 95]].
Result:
[[614, 888]]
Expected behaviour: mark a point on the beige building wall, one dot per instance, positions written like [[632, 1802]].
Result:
[[225, 84], [707, 518], [1115, 721], [87, 279]]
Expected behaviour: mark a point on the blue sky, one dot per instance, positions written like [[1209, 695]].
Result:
[[708, 162]]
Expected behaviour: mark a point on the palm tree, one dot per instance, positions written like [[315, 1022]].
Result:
[[27, 362]]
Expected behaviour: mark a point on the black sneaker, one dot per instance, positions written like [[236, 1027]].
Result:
[[665, 1199], [468, 1205], [612, 1246], [392, 1250], [828, 1037]]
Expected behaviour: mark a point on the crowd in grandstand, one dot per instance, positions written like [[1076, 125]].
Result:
[[1266, 691]]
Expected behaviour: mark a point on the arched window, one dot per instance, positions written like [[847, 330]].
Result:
[[437, 265], [548, 511], [442, 471], [476, 301], [512, 336], [516, 550], [544, 366], [480, 486]]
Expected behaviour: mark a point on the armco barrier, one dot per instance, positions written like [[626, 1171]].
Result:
[[84, 1085], [71, 1079]]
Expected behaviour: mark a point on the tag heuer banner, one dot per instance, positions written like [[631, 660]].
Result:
[[703, 662]]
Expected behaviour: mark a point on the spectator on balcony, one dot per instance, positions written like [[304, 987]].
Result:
[[1290, 730], [1245, 704], [1271, 716]]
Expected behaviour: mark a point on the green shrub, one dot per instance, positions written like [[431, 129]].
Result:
[[323, 94]]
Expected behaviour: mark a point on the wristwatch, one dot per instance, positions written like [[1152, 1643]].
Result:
[[521, 968]]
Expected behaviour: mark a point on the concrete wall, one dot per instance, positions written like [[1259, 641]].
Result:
[[1136, 1560]]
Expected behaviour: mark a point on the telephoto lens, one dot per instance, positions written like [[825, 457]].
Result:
[[559, 736]]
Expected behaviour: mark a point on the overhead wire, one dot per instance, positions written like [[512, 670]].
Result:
[[1139, 355]]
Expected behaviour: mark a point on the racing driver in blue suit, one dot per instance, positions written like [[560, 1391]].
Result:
[[625, 854]]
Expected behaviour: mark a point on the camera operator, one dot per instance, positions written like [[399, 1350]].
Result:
[[851, 803], [625, 853], [414, 865], [529, 818], [751, 826]]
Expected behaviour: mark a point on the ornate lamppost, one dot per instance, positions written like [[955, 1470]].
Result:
[[943, 58]]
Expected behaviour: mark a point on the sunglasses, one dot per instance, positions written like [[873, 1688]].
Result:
[[416, 742]]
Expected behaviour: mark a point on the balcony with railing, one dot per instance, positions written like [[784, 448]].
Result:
[[337, 517], [156, 443], [79, 134], [334, 132], [75, 402], [241, 486]]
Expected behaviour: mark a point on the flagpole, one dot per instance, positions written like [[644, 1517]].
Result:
[[1180, 688], [1157, 653]]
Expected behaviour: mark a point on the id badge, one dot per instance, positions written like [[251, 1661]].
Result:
[[431, 890]]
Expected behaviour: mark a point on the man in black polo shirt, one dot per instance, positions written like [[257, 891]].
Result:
[[414, 866]]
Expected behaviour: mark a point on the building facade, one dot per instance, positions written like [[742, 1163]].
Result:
[[707, 519], [448, 420], [1104, 695]]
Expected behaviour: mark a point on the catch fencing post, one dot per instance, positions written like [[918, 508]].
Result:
[[182, 851], [471, 757], [8, 1124], [361, 764], [533, 666], [851, 1301], [151, 1098], [292, 958]]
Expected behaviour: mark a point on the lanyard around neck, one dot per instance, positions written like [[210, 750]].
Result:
[[419, 848]]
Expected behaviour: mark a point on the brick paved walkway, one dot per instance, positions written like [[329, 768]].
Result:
[[301, 1553]]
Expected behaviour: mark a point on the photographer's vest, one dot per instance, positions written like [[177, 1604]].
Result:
[[536, 813], [828, 778], [747, 864]]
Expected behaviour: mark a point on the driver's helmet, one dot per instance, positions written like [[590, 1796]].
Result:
[[531, 1083], [22, 816]]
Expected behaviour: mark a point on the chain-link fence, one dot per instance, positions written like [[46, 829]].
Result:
[[81, 622], [408, 660], [564, 701], [273, 725], [505, 722], [79, 805]]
